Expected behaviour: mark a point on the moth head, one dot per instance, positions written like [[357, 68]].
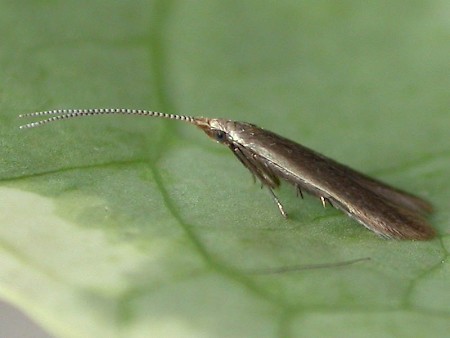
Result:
[[218, 129]]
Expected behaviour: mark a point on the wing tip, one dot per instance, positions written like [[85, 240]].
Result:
[[413, 229]]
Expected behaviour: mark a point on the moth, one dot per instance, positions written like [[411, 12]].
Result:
[[271, 158]]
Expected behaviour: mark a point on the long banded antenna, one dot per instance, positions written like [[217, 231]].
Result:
[[63, 114]]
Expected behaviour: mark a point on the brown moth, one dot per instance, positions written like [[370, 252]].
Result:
[[387, 211]]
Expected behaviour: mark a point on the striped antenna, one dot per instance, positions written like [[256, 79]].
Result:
[[64, 114]]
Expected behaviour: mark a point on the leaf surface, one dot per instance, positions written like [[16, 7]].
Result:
[[122, 227]]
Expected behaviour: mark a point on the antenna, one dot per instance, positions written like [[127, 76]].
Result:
[[64, 114]]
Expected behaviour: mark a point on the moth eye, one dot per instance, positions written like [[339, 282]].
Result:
[[220, 136]]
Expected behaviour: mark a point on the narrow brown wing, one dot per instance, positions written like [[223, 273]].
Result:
[[385, 210]]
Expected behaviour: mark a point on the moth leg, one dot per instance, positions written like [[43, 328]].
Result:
[[278, 203], [299, 191], [325, 201]]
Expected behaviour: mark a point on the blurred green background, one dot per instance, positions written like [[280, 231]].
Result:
[[134, 227]]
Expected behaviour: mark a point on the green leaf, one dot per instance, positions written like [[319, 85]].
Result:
[[110, 227]]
